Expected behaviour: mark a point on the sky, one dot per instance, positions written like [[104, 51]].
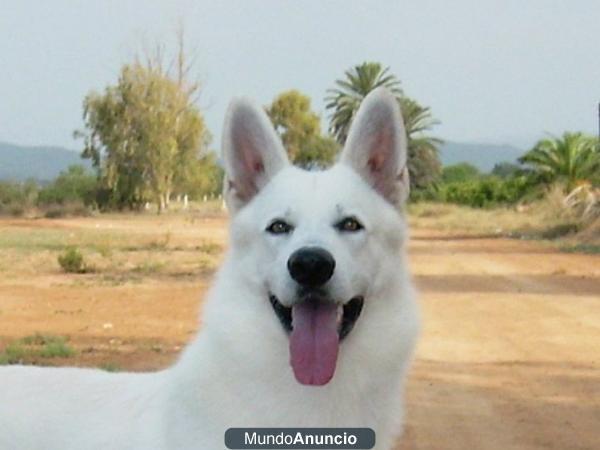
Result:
[[492, 71]]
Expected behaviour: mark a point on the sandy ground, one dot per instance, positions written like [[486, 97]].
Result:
[[510, 352], [509, 357]]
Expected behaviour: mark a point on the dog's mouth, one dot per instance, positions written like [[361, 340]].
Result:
[[347, 314], [316, 326]]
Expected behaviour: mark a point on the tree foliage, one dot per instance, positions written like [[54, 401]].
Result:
[[460, 172], [300, 130], [76, 184], [506, 169], [572, 159], [424, 164], [344, 100], [202, 177], [144, 133], [482, 192]]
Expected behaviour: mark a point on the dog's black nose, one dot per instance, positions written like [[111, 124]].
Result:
[[311, 266]]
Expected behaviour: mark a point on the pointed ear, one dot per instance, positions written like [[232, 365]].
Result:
[[252, 152], [376, 146]]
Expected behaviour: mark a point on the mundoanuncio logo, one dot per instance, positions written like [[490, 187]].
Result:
[[300, 438]]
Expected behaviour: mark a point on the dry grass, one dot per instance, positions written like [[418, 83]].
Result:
[[131, 248], [119, 248], [464, 220], [138, 263], [546, 220]]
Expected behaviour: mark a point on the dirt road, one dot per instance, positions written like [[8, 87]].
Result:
[[510, 352], [509, 357]]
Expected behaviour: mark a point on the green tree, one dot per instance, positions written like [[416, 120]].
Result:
[[506, 169], [572, 159], [300, 130], [317, 151], [143, 132], [344, 100], [76, 184], [460, 172], [203, 177]]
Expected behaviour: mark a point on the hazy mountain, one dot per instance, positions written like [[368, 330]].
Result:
[[482, 156], [42, 163]]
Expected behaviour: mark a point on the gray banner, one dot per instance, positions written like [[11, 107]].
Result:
[[300, 438]]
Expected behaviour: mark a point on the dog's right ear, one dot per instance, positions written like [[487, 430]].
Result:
[[252, 152], [376, 146]]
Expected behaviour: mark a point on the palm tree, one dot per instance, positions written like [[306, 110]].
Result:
[[424, 164], [573, 158], [345, 98]]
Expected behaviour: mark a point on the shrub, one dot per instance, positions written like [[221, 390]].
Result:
[[17, 198], [67, 209], [36, 346], [75, 185], [10, 193], [459, 172], [583, 202], [483, 192], [16, 210], [506, 170], [12, 354], [56, 349], [71, 261]]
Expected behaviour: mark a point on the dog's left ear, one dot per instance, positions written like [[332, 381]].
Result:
[[376, 146], [252, 152]]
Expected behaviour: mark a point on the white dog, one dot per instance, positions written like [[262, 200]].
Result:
[[311, 321]]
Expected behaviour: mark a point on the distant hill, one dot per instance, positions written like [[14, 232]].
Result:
[[482, 156], [44, 163]]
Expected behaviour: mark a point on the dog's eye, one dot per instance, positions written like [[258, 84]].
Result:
[[279, 227], [349, 224]]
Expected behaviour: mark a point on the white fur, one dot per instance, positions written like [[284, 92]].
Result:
[[236, 373]]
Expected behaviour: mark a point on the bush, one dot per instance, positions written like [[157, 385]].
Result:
[[459, 172], [66, 210], [56, 349], [10, 193], [71, 261], [485, 192], [583, 203], [75, 185], [482, 192], [30, 348], [71, 193], [16, 198], [12, 354], [16, 210], [506, 170]]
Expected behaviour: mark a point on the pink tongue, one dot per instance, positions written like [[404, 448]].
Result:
[[314, 342]]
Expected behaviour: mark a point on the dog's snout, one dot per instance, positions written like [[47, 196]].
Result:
[[311, 266]]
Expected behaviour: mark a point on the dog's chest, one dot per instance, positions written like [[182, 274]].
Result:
[[291, 405]]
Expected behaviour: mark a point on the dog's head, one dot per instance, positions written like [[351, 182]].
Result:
[[317, 245]]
